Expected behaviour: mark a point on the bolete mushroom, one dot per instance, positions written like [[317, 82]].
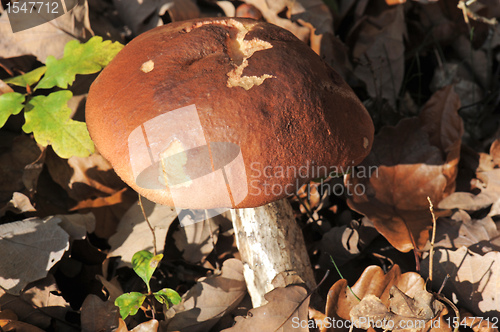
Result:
[[234, 114]]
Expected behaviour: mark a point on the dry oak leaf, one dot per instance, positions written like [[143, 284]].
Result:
[[404, 312], [378, 49], [478, 324], [286, 310], [408, 163], [474, 279], [31, 246], [38, 305], [460, 230], [271, 10], [488, 174], [210, 299], [374, 283]]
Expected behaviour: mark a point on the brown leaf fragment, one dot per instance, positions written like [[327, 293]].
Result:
[[98, 315], [286, 309], [38, 304], [210, 299], [16, 153], [460, 230], [45, 39], [391, 299], [8, 325], [378, 49], [32, 247], [408, 163], [474, 279], [19, 203], [149, 326], [478, 324], [488, 181]]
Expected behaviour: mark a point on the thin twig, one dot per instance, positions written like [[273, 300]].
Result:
[[433, 238], [149, 224]]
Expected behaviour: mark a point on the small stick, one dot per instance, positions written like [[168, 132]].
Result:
[[433, 238], [149, 224]]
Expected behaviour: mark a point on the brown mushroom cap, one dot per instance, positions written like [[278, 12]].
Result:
[[191, 111]]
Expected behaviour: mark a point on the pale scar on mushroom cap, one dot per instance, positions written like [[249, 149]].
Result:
[[242, 51]]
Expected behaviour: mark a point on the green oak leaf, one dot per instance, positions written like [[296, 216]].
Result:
[[29, 78], [129, 303], [48, 118], [144, 264], [80, 59], [11, 103], [168, 296]]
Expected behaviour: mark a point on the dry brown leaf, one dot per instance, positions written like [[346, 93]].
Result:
[[270, 11], [19, 203], [77, 225], [404, 312], [46, 39], [378, 52], [149, 326], [34, 246], [8, 325], [84, 178], [488, 181], [414, 160], [314, 12], [477, 324], [460, 230], [474, 279], [196, 241], [38, 305], [16, 153], [108, 210], [98, 315], [285, 310], [133, 233], [373, 283], [210, 299], [141, 16]]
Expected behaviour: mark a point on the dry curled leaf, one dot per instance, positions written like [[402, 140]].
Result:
[[378, 51], [34, 246], [408, 163], [45, 39], [377, 288], [474, 279], [404, 312], [38, 304], [460, 230], [488, 181], [210, 299], [285, 310]]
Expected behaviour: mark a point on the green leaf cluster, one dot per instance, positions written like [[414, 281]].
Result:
[[48, 117], [144, 264]]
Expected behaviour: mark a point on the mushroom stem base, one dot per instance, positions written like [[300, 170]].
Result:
[[270, 242]]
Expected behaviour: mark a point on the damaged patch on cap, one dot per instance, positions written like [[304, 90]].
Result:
[[148, 66], [247, 49]]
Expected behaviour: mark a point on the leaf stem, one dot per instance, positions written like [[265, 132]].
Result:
[[149, 224]]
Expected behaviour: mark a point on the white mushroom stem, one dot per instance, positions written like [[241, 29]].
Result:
[[270, 242]]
